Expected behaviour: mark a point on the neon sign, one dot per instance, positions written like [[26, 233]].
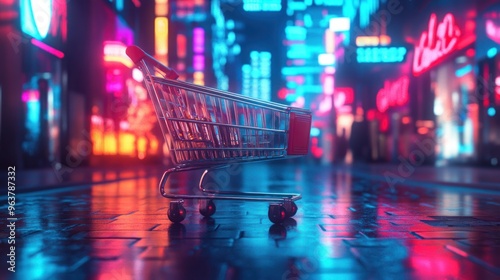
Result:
[[381, 54], [365, 41], [41, 18], [393, 94], [440, 40], [115, 52], [260, 5], [35, 17]]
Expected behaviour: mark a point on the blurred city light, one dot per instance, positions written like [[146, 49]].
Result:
[[340, 24]]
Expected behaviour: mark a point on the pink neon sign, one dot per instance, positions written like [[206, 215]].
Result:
[[393, 94], [435, 43], [493, 31]]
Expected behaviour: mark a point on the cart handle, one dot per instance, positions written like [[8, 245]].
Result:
[[137, 54]]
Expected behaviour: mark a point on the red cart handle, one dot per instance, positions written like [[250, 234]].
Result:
[[137, 54]]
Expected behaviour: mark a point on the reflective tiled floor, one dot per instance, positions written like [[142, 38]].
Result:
[[347, 227]]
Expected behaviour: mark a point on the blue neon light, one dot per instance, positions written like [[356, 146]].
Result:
[[298, 51], [381, 54], [257, 76], [315, 131], [492, 112], [36, 17], [463, 71], [262, 5], [492, 52], [295, 33], [119, 5]]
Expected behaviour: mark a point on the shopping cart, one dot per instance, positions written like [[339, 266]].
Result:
[[206, 128]]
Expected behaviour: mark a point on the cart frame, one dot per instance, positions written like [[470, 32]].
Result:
[[194, 147]]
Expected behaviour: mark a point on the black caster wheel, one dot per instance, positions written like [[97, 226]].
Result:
[[276, 213], [176, 213], [290, 208], [207, 207]]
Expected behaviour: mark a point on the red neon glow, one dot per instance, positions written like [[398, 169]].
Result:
[[393, 94], [316, 151], [137, 3], [384, 123], [486, 77], [497, 95], [282, 93], [457, 251], [343, 96], [423, 130], [58, 22], [470, 53], [47, 48], [440, 40], [181, 45], [371, 115]]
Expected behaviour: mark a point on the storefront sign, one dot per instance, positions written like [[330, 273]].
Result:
[[381, 54], [393, 94], [440, 40]]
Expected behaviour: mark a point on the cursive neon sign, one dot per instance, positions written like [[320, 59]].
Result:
[[435, 43], [393, 94]]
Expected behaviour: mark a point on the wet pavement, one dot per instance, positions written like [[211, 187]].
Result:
[[348, 226]]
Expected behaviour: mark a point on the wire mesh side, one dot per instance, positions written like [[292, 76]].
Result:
[[205, 128]]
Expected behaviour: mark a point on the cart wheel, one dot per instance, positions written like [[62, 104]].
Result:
[[207, 207], [277, 213], [176, 213], [293, 209]]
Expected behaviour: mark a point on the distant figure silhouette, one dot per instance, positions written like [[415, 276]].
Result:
[[341, 147]]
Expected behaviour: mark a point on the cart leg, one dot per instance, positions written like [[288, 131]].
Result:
[[176, 212], [203, 176], [164, 180]]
